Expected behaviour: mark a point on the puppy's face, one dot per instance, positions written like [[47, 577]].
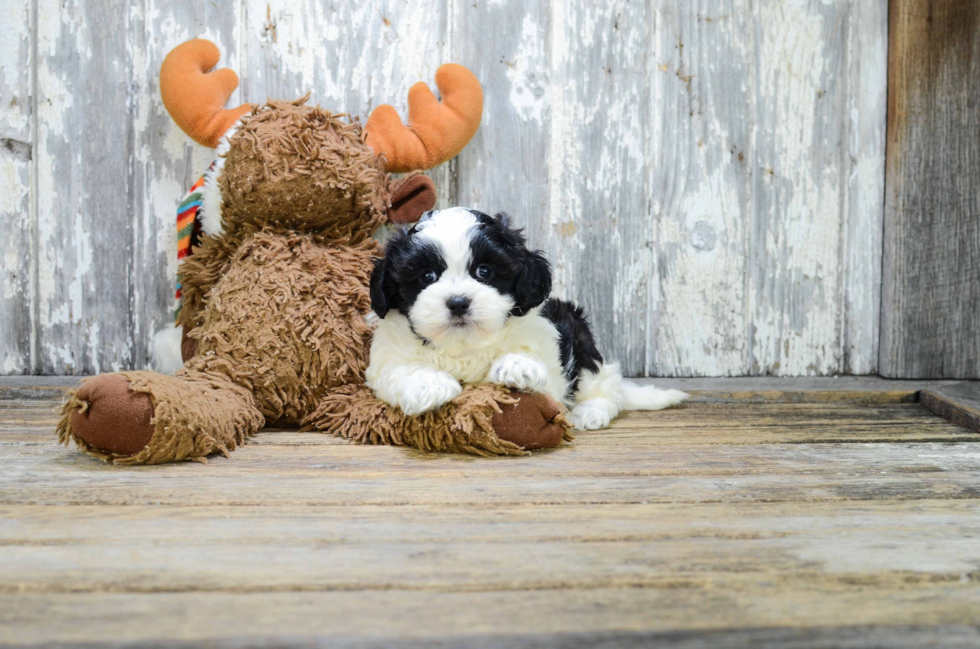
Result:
[[458, 275]]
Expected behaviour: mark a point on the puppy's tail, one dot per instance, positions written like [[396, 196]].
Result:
[[602, 395], [647, 397]]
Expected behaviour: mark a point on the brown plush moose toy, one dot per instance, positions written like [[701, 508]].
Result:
[[275, 293]]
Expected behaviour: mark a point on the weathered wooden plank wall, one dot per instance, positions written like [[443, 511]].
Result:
[[931, 305], [706, 176], [16, 152]]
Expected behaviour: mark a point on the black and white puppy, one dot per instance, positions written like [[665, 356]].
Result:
[[460, 300]]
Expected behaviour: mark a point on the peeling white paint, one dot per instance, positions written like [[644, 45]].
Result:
[[793, 300], [564, 153], [14, 69], [705, 330], [15, 183], [862, 245], [95, 345], [528, 85]]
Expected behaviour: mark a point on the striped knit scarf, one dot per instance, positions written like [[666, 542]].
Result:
[[188, 229]]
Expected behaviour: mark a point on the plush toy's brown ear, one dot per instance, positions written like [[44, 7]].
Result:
[[411, 197]]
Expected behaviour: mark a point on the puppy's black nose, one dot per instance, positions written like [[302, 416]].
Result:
[[459, 305]]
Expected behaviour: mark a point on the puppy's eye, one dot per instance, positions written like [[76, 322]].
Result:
[[429, 277], [484, 272]]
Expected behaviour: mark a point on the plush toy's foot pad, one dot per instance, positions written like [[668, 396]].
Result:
[[112, 418], [534, 422]]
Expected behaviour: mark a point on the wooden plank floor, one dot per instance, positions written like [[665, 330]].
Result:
[[776, 517]]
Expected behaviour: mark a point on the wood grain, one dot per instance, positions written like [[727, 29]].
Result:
[[815, 521], [148, 549], [794, 285], [931, 289], [701, 453], [84, 144], [701, 178], [506, 167], [379, 619], [867, 61], [17, 258], [707, 422], [958, 404], [599, 176]]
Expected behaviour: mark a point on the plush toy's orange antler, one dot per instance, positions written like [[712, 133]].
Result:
[[195, 96], [436, 130]]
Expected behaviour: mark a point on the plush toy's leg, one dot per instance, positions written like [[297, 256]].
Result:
[[150, 418], [531, 421], [483, 420]]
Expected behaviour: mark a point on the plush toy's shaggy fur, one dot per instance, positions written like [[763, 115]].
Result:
[[276, 305]]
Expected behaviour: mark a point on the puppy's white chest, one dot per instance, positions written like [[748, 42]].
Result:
[[467, 369]]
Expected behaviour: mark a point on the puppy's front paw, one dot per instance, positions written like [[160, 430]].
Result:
[[427, 391], [520, 372]]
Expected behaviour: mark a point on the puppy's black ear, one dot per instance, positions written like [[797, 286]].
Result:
[[384, 295], [533, 284]]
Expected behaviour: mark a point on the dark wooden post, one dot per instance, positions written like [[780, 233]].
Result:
[[930, 318]]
